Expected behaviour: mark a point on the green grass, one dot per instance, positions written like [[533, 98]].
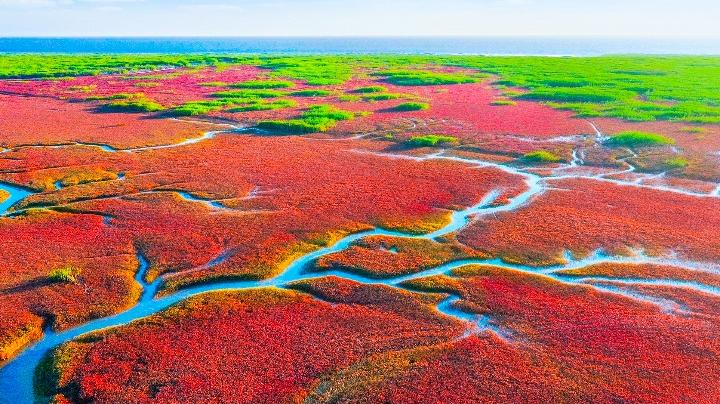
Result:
[[264, 84], [676, 163], [431, 141], [424, 78], [694, 129], [133, 104], [411, 106], [314, 70], [316, 118], [499, 103], [118, 96], [310, 93], [82, 89], [369, 90], [327, 112], [265, 106], [59, 65], [571, 95], [541, 157], [633, 88], [383, 96], [298, 125], [66, 274], [194, 108], [638, 139]]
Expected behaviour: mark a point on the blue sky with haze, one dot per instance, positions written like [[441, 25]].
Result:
[[358, 17]]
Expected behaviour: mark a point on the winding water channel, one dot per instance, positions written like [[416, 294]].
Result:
[[16, 376]]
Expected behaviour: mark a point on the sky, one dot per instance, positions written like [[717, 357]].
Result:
[[648, 18]]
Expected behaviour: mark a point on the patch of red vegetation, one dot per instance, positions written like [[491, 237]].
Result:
[[33, 121], [644, 271], [680, 299], [383, 256], [585, 215], [472, 369], [568, 343], [683, 184], [104, 266], [225, 346]]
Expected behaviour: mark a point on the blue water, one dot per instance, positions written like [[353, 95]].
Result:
[[16, 195], [588, 46]]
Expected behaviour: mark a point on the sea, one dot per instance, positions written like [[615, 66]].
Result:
[[547, 46]]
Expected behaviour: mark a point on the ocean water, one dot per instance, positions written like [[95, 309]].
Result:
[[554, 46]]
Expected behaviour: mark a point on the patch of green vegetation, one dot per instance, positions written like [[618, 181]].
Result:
[[512, 93], [574, 94], [499, 103], [676, 163], [265, 106], [310, 93], [67, 274], [298, 125], [137, 103], [638, 139], [264, 84], [314, 70], [424, 78], [369, 90], [213, 84], [82, 89], [411, 106], [57, 65], [118, 96], [634, 88], [694, 129], [203, 107], [431, 141], [327, 112], [383, 96], [541, 157], [316, 118]]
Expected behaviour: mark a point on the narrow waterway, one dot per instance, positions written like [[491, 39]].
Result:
[[16, 193]]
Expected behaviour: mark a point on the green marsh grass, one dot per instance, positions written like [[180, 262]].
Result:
[[411, 106], [633, 139], [310, 93], [431, 141], [541, 157], [424, 78], [369, 90], [67, 274]]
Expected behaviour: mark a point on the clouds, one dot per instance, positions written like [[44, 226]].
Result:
[[356, 17], [33, 3]]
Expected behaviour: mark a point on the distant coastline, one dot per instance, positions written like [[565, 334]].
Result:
[[547, 46]]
